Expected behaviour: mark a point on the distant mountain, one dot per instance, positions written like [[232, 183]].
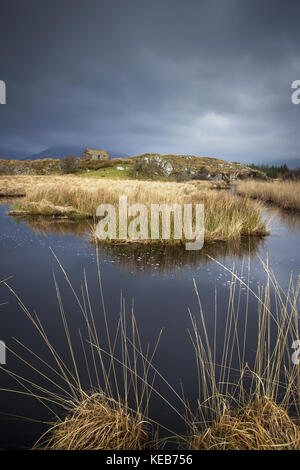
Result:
[[12, 155], [118, 154], [57, 152], [292, 163], [61, 151]]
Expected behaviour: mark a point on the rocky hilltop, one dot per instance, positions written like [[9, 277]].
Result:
[[185, 167], [29, 167], [153, 166]]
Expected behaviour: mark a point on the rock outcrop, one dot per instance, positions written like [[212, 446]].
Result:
[[29, 167], [184, 167]]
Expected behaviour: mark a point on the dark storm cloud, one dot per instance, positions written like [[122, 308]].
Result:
[[203, 77]]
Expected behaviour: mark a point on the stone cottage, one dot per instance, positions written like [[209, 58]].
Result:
[[90, 154]]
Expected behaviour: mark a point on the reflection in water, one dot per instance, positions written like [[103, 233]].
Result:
[[143, 257], [61, 226], [289, 219], [147, 257], [160, 300], [9, 201]]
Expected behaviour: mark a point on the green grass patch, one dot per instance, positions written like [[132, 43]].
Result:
[[111, 173]]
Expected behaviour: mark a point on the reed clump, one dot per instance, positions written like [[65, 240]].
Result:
[[249, 403], [98, 423], [285, 194], [226, 216], [259, 425], [44, 207], [109, 412]]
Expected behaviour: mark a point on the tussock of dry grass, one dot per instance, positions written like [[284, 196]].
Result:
[[227, 217], [285, 194], [262, 425], [18, 185], [98, 423], [45, 208], [12, 186], [249, 403]]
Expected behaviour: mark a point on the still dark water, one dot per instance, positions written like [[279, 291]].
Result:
[[159, 281]]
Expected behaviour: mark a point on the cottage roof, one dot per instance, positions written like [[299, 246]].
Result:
[[97, 151]]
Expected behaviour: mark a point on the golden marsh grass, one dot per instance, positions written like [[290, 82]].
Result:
[[285, 194], [227, 217], [259, 425], [96, 423], [18, 185]]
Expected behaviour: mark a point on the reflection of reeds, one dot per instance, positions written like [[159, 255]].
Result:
[[166, 258], [289, 219], [245, 399], [141, 256], [45, 225], [145, 257], [285, 194]]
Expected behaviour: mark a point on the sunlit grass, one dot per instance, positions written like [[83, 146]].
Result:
[[227, 217], [110, 172], [285, 194]]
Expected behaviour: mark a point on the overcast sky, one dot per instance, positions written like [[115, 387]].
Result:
[[198, 77]]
